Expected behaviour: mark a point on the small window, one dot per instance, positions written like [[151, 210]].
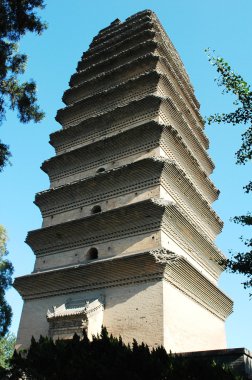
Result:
[[96, 209], [92, 254], [100, 170]]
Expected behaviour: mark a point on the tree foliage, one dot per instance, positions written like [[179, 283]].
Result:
[[16, 19], [241, 262], [6, 271], [107, 358], [7, 345]]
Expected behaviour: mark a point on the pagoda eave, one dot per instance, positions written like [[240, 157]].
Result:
[[121, 271]]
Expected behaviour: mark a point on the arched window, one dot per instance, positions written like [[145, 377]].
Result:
[[92, 254], [96, 209], [100, 170]]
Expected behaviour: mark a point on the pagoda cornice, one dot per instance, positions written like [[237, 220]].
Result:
[[190, 113], [162, 50], [108, 123], [108, 51], [142, 25], [121, 74], [135, 88], [98, 274], [110, 148], [160, 36], [181, 274], [170, 114], [119, 29], [115, 60], [188, 163], [109, 79], [151, 23], [115, 23], [129, 178], [149, 266], [192, 201], [95, 128], [118, 23], [136, 219], [172, 52], [115, 148], [125, 56]]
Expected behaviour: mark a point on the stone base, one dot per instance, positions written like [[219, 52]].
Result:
[[239, 359]]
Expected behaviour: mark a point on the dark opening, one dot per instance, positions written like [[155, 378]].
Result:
[[100, 170], [92, 254], [96, 209]]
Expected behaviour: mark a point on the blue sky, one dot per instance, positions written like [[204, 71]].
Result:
[[192, 26]]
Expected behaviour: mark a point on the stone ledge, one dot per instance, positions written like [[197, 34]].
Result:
[[137, 219], [111, 122], [147, 266], [129, 143], [156, 25], [125, 56], [111, 78], [106, 100], [114, 271], [119, 47], [136, 176], [136, 28], [140, 49], [187, 125], [113, 29]]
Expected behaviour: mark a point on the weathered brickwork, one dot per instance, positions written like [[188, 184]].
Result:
[[127, 239]]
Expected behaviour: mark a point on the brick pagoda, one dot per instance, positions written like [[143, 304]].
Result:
[[128, 230]]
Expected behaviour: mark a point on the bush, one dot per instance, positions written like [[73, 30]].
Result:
[[107, 358]]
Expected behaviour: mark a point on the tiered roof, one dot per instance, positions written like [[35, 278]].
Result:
[[132, 147]]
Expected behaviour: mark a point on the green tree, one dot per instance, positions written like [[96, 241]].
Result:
[[108, 358], [240, 262], [6, 271], [7, 346], [16, 19]]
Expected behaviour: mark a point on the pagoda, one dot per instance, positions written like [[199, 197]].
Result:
[[127, 239]]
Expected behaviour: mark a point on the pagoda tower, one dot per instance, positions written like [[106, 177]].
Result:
[[128, 230]]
